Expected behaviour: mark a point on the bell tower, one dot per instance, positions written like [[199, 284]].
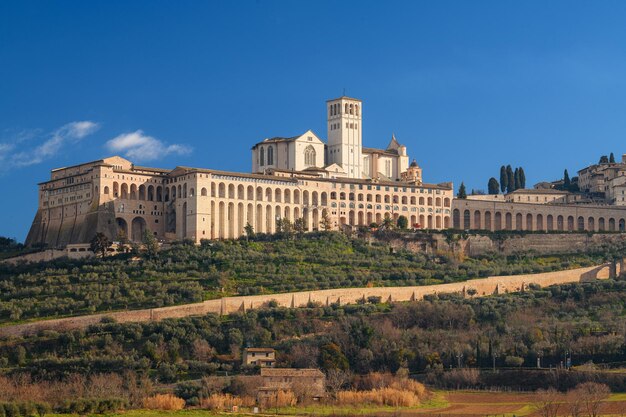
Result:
[[344, 135]]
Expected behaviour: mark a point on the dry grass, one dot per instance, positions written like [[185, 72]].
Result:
[[164, 402], [225, 401], [379, 396]]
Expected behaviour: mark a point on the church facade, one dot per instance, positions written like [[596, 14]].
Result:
[[300, 177]]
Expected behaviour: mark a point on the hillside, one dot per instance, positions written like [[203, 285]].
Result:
[[187, 273]]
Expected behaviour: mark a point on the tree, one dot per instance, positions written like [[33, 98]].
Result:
[[152, 246], [298, 226], [522, 178], [286, 228], [504, 179], [591, 395], [249, 230], [336, 379], [99, 244], [566, 181], [612, 158], [547, 402], [325, 223], [493, 186], [402, 222], [604, 159], [510, 187], [462, 194], [387, 223], [516, 179]]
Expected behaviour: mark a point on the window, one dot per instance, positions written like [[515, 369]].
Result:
[[262, 157], [270, 155], [309, 156]]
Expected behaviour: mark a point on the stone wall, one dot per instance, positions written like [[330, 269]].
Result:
[[483, 287], [508, 244]]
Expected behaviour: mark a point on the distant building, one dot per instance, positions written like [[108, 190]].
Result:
[[262, 357], [310, 381]]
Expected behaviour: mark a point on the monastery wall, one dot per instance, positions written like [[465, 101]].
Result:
[[227, 305]]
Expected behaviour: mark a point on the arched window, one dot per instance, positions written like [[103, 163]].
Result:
[[262, 157], [347, 109], [356, 109], [351, 109], [270, 155], [309, 156]]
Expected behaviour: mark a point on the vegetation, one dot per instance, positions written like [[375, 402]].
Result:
[[493, 186], [256, 264], [509, 180], [462, 194]]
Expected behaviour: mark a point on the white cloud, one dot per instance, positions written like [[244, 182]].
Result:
[[141, 147], [53, 144]]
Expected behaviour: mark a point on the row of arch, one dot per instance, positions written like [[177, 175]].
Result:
[[485, 219], [134, 192], [135, 232], [350, 108]]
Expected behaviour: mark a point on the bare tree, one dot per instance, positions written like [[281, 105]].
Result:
[[574, 404], [591, 395], [547, 402], [337, 379]]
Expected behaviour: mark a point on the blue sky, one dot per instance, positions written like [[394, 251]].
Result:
[[466, 85]]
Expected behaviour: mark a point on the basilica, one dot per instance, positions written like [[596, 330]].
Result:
[[300, 177]]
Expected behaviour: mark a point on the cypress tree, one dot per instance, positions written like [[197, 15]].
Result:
[[516, 178], [522, 178], [493, 186], [566, 181], [612, 158], [462, 194], [510, 185], [604, 159], [504, 179]]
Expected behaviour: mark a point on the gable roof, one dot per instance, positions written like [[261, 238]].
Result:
[[292, 372], [278, 139]]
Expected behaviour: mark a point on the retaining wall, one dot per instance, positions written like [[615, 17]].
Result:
[[227, 305]]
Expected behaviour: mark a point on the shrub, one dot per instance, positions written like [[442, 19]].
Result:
[[383, 396], [225, 401], [164, 402]]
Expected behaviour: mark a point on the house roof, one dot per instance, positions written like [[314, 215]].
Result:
[[292, 372], [344, 97], [260, 350], [538, 191], [381, 151]]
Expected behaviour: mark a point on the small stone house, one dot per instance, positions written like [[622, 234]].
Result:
[[261, 357], [311, 382]]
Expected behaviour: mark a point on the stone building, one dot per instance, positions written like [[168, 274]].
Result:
[[261, 357], [309, 381], [298, 177]]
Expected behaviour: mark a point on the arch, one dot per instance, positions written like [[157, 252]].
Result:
[[124, 191], [412, 221], [116, 189], [421, 201], [309, 156], [151, 193], [133, 192], [167, 193], [142, 192], [438, 201], [466, 219], [287, 196], [622, 225], [180, 192], [221, 223], [404, 200], [387, 199], [241, 192], [259, 219], [262, 156], [570, 223], [270, 155], [184, 195], [138, 227], [356, 109], [559, 223], [106, 189], [539, 225], [456, 219], [213, 190], [351, 109], [231, 220], [315, 198], [430, 221], [250, 195], [324, 198], [497, 221], [529, 222], [305, 197], [518, 221], [221, 190], [268, 194], [438, 222], [446, 202], [278, 195], [446, 222], [601, 225], [430, 201], [488, 225], [240, 220], [203, 192], [231, 191], [159, 193], [192, 192], [269, 220], [580, 223], [477, 222], [611, 225], [259, 193], [412, 201], [591, 224], [287, 213], [508, 221], [122, 228], [296, 199], [550, 223], [173, 192], [250, 215], [316, 220]]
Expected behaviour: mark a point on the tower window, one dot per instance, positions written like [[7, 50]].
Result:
[[309, 156], [262, 156], [270, 155]]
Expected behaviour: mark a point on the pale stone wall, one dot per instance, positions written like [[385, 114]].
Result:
[[483, 287]]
